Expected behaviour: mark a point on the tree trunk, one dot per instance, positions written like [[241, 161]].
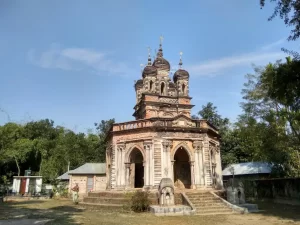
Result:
[[19, 171], [41, 165]]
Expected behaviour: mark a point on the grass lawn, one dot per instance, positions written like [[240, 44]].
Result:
[[64, 212]]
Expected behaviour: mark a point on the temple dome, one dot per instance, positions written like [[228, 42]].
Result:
[[181, 74], [149, 71], [161, 64], [138, 84]]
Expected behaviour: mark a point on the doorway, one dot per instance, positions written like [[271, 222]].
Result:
[[23, 186], [136, 168], [182, 169]]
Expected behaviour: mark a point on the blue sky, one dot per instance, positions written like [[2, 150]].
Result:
[[76, 61]]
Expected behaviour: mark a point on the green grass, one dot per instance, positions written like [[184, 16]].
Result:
[[63, 212]]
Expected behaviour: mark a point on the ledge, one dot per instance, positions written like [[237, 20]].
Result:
[[235, 208]]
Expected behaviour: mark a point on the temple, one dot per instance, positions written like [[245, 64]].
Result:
[[163, 141]]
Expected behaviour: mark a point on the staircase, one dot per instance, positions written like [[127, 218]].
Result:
[[108, 200], [207, 204], [115, 200]]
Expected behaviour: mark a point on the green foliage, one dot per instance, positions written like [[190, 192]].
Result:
[[289, 11], [47, 149], [140, 201]]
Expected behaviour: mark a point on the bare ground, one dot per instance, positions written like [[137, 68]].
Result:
[[64, 212]]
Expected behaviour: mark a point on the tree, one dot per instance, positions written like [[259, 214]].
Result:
[[289, 11], [229, 139], [103, 129], [14, 146], [209, 112], [270, 124]]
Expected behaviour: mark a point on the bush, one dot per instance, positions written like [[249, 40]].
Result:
[[140, 201]]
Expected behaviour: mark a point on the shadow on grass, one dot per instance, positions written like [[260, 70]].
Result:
[[63, 213], [282, 211]]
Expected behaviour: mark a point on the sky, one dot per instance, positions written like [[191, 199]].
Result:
[[75, 62]]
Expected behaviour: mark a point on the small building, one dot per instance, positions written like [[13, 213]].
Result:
[[248, 170], [64, 177], [90, 177], [25, 185]]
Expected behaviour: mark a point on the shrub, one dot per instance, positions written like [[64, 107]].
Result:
[[140, 201]]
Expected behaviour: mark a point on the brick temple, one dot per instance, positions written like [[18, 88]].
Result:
[[163, 140]]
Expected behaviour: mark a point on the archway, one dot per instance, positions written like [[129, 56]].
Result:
[[182, 169], [136, 169], [162, 88]]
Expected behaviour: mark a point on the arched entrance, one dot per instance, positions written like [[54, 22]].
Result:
[[182, 169], [136, 169]]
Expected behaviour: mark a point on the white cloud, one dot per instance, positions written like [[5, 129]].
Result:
[[77, 59], [219, 66], [274, 44]]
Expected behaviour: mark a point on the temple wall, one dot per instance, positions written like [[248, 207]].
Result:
[[158, 149]]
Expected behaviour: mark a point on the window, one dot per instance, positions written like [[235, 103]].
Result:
[[151, 85], [183, 88], [162, 88]]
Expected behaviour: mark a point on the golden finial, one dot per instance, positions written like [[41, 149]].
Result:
[[149, 56], [180, 61], [161, 38]]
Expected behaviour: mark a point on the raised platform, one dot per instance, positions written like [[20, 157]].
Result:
[[175, 210]]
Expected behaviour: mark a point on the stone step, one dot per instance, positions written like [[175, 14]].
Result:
[[202, 198], [210, 207], [209, 204], [100, 206], [213, 213], [110, 194], [213, 210], [206, 201], [199, 194], [104, 200]]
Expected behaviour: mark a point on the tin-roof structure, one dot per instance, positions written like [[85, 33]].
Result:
[[90, 168], [247, 168]]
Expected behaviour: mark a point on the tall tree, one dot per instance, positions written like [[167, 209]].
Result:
[[103, 129], [271, 119], [289, 11], [14, 146]]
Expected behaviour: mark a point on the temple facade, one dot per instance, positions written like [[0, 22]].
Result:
[[163, 141]]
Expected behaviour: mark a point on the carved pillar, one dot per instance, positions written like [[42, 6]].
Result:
[[172, 170], [127, 166], [148, 168], [167, 145], [121, 164], [199, 166], [219, 178], [192, 175]]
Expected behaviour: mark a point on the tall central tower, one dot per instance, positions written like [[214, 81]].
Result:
[[157, 95]]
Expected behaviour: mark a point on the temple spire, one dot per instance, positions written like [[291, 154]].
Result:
[[149, 56], [160, 50], [180, 61]]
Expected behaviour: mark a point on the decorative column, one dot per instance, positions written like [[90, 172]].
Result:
[[199, 166], [167, 145], [172, 168], [192, 175], [147, 146], [219, 177], [127, 166], [121, 164]]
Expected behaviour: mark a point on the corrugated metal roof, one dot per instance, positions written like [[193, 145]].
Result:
[[65, 176], [248, 168], [90, 168]]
